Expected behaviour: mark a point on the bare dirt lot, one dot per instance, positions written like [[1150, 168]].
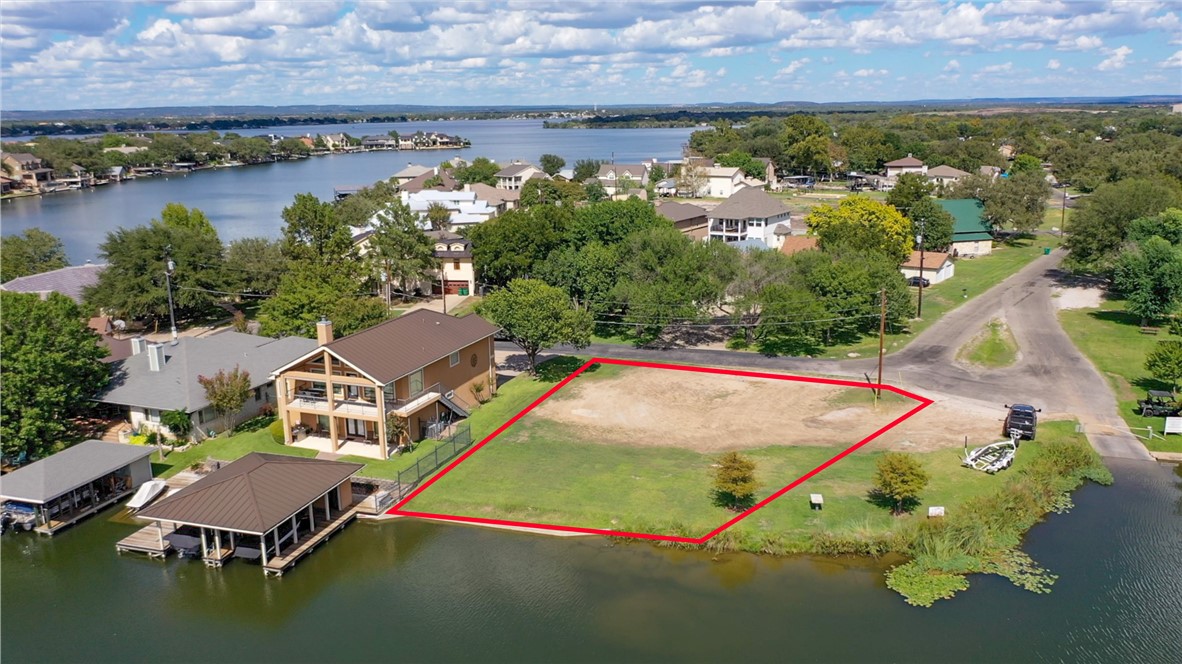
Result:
[[714, 412]]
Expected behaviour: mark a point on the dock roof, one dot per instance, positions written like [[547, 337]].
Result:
[[253, 494], [53, 476]]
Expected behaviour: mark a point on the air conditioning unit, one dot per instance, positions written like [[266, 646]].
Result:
[[451, 394]]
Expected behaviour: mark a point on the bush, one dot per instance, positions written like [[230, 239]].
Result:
[[276, 429], [256, 423]]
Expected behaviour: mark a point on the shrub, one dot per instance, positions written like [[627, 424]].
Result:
[[256, 423], [276, 429], [734, 482]]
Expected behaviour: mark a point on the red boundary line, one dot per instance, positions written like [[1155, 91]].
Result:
[[924, 402]]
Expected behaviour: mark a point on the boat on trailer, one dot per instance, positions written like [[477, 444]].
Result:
[[147, 492], [993, 457]]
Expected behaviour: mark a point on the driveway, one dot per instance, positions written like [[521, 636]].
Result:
[[1050, 372]]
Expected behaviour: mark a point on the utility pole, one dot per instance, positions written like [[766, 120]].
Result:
[[170, 266], [1063, 215], [443, 284], [919, 306], [881, 337]]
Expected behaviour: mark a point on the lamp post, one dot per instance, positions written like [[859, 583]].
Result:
[[919, 239], [170, 267]]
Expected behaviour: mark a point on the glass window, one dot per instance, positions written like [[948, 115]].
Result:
[[153, 415], [455, 264], [453, 359], [415, 382]]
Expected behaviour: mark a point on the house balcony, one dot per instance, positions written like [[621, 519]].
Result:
[[418, 400]]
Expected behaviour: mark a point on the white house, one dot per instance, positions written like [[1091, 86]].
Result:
[[162, 377], [722, 181], [937, 266], [907, 164], [749, 214], [465, 208], [514, 176], [945, 175], [409, 173], [456, 273], [619, 178]]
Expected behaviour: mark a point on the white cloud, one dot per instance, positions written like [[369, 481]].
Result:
[[1174, 60], [996, 69], [1117, 59], [953, 65], [793, 67], [1053, 64], [866, 73], [1080, 43]]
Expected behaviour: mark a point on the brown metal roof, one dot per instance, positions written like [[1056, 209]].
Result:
[[390, 350], [932, 260], [253, 494], [797, 243]]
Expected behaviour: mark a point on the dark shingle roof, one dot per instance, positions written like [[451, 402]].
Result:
[[749, 203], [253, 494], [677, 212], [513, 170], [395, 348], [44, 480], [68, 281]]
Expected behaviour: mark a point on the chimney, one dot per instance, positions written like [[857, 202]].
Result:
[[155, 357], [324, 332], [138, 345]]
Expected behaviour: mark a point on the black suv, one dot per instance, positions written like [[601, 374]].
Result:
[[917, 281], [1021, 419]]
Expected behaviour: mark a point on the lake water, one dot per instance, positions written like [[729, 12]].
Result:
[[417, 591], [247, 201]]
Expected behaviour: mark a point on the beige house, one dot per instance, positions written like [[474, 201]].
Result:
[[691, 220], [945, 175], [457, 276], [514, 176], [418, 370], [27, 170], [907, 164], [937, 266]]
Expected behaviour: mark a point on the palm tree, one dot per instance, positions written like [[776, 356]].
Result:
[[397, 428]]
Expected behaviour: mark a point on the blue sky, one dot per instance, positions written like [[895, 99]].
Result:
[[59, 54]]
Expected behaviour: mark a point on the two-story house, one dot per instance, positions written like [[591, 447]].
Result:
[[514, 176], [418, 372], [907, 164], [27, 169], [620, 178], [749, 214], [456, 274]]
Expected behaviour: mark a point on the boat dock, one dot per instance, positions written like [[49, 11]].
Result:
[[150, 540], [277, 565]]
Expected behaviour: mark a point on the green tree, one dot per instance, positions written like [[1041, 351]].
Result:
[[909, 189], [535, 316], [551, 164], [734, 482], [400, 250], [899, 478], [585, 169], [1167, 225], [862, 223], [134, 285], [1098, 228], [481, 170], [595, 192], [31, 252], [52, 369], [930, 219], [313, 232], [358, 210], [610, 222], [791, 319], [178, 422], [254, 265], [586, 272], [1165, 362], [511, 245], [175, 215], [809, 155], [226, 392], [1149, 275], [738, 159], [309, 291], [1026, 163], [438, 216]]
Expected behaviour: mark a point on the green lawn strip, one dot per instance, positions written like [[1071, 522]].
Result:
[[994, 348], [973, 276], [224, 448], [1112, 340]]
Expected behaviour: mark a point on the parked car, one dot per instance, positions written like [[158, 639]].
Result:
[[915, 282], [1021, 421]]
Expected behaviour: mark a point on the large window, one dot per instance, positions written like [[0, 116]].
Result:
[[415, 382], [153, 416], [453, 359]]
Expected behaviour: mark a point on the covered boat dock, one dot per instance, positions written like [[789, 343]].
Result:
[[263, 506], [69, 486]]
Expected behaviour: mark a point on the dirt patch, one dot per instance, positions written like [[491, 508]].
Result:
[[713, 412], [1078, 297]]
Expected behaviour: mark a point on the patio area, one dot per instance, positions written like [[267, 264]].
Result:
[[349, 447]]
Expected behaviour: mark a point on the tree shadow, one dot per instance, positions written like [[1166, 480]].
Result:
[[730, 501], [788, 347], [555, 369], [879, 499]]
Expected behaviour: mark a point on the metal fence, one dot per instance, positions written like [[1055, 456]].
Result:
[[444, 451]]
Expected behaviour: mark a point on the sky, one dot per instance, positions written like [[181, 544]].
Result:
[[65, 54]]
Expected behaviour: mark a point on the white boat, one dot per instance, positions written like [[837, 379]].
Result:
[[993, 457], [146, 494]]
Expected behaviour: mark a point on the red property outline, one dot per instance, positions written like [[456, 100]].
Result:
[[924, 402]]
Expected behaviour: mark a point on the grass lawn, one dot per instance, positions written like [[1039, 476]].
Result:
[[994, 348], [1113, 341], [536, 472], [973, 277], [226, 448]]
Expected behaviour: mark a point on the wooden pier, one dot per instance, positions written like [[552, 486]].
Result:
[[150, 539], [277, 565]]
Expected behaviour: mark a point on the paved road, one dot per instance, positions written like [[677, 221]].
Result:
[[1050, 372]]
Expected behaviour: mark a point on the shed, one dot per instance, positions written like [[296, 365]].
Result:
[[68, 486], [937, 266]]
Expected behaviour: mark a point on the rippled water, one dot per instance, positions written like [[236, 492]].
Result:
[[415, 591]]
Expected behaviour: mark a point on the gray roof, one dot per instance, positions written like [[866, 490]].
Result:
[[253, 494], [68, 281], [175, 387], [633, 171], [412, 171], [678, 212], [44, 480], [749, 203], [946, 171], [513, 170], [390, 350]]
